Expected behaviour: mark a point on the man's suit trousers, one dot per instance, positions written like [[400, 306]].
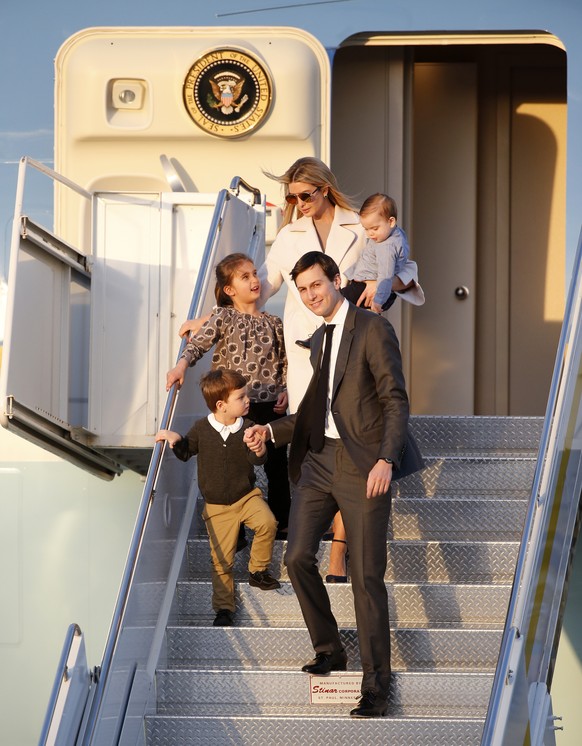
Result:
[[330, 480]]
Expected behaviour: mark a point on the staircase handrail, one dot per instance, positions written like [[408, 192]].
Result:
[[534, 530], [202, 281], [200, 290], [67, 661], [238, 182]]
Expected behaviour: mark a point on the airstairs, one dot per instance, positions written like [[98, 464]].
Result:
[[452, 548], [478, 555]]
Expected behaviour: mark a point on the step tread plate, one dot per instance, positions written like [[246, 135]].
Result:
[[195, 692], [407, 561], [255, 648], [419, 603], [312, 731], [482, 433]]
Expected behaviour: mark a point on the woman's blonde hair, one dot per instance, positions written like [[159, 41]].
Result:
[[311, 171]]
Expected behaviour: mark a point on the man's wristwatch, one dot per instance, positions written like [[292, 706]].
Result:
[[387, 460]]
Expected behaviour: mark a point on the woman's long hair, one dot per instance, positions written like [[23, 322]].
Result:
[[311, 171]]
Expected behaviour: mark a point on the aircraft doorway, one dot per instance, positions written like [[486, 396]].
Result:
[[470, 140]]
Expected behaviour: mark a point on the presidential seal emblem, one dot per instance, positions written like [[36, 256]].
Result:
[[227, 93]]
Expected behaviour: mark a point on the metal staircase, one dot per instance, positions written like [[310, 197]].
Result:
[[452, 547], [477, 574]]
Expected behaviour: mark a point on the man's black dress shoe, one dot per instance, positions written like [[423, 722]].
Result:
[[371, 705], [325, 663]]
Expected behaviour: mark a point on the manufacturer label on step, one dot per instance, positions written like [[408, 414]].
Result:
[[342, 688]]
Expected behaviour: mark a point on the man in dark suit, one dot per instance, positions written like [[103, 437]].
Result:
[[362, 441]]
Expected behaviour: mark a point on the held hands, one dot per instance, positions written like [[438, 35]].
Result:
[[256, 432], [255, 438], [379, 479], [282, 402]]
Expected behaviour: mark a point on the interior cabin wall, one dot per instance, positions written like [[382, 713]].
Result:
[[369, 143], [470, 141]]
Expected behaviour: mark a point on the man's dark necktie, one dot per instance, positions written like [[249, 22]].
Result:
[[316, 439]]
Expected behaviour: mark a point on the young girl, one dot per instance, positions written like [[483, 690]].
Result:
[[251, 342]]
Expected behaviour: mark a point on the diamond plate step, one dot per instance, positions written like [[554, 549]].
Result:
[[288, 649], [452, 519], [275, 693], [462, 477], [451, 435], [409, 604], [451, 546], [408, 561], [457, 520], [311, 731]]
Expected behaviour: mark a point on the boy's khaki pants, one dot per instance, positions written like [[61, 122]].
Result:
[[223, 524]]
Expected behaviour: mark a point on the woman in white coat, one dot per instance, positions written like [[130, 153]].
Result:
[[326, 221]]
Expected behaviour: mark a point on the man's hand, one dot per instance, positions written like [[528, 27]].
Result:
[[379, 479], [256, 444], [282, 402], [256, 433], [368, 294], [176, 375]]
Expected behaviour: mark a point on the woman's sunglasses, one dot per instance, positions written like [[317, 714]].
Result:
[[306, 197]]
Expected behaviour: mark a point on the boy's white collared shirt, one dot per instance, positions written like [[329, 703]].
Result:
[[225, 430]]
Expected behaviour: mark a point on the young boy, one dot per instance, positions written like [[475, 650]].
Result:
[[226, 478], [383, 268]]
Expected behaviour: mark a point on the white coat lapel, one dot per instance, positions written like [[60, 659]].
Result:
[[343, 234]]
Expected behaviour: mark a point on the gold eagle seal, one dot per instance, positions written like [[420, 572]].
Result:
[[227, 92]]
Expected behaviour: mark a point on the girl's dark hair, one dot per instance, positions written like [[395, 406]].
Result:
[[224, 273]]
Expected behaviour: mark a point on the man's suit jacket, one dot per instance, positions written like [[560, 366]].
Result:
[[369, 401]]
